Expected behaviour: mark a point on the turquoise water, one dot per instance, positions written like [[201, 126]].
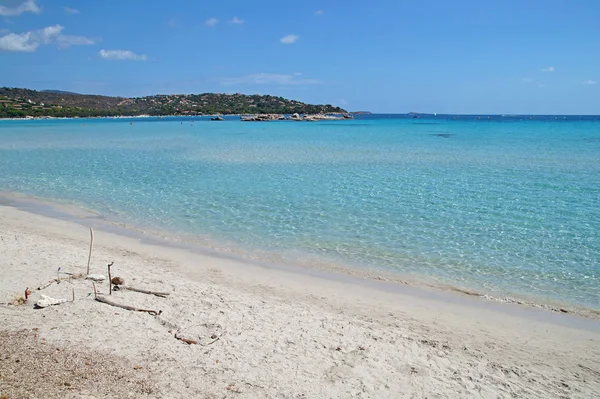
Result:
[[501, 206]]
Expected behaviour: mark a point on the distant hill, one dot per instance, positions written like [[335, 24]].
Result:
[[16, 102]]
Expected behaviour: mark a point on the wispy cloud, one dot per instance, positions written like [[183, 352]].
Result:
[[289, 39], [319, 12], [71, 11], [122, 55], [342, 101], [30, 41], [211, 22], [268, 79], [527, 80], [26, 6], [236, 21], [68, 40], [549, 69], [590, 82]]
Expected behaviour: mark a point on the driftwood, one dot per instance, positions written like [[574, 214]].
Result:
[[91, 248], [100, 298], [160, 294], [41, 287], [56, 280], [109, 279]]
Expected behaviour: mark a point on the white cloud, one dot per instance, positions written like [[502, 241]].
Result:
[[26, 6], [30, 41], [590, 82], [527, 80], [236, 21], [289, 39], [549, 69], [71, 11], [211, 22], [268, 79], [122, 55], [319, 12]]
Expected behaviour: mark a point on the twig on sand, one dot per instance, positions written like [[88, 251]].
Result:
[[194, 342], [48, 284], [127, 307], [186, 340], [160, 294], [109, 279], [91, 248]]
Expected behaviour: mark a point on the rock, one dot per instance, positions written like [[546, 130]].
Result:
[[95, 277], [117, 281], [46, 301]]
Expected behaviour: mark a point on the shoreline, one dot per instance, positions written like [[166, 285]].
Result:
[[64, 210], [33, 118], [265, 332]]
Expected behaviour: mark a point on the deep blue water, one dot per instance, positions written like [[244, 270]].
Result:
[[502, 205]]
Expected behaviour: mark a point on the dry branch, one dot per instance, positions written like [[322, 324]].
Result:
[[127, 307], [41, 287], [160, 294], [91, 248], [109, 279], [56, 280]]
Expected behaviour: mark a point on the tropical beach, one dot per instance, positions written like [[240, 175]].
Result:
[[414, 213], [256, 331], [256, 299]]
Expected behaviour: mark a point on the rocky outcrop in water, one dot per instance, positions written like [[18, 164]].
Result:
[[295, 117]]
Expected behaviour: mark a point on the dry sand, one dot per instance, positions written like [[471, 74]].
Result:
[[263, 332]]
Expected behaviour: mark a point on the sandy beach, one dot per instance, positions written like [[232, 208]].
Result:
[[262, 332]]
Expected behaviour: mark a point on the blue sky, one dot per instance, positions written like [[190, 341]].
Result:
[[534, 56]]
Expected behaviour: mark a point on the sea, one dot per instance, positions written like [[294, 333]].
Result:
[[502, 205]]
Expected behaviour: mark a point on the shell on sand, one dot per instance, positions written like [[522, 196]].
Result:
[[46, 301]]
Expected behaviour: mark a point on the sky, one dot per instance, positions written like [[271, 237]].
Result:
[[388, 56]]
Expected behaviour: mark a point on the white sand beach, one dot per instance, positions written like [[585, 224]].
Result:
[[262, 332]]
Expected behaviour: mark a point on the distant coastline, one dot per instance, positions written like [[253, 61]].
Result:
[[23, 103]]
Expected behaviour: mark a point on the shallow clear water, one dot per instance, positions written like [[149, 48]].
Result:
[[503, 205]]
